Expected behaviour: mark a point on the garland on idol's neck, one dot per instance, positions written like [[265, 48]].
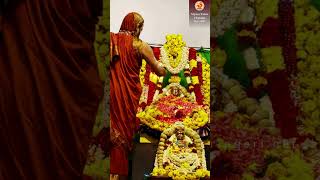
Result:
[[174, 54]]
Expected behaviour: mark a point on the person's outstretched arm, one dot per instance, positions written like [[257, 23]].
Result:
[[147, 53]]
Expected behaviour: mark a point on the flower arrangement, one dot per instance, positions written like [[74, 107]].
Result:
[[287, 163], [180, 162], [272, 58], [238, 96], [205, 88], [228, 14], [242, 145], [174, 54], [219, 56], [167, 110], [195, 80], [275, 79], [265, 13], [308, 67], [156, 94]]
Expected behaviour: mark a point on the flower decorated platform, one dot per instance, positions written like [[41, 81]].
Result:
[[182, 96], [265, 109], [180, 154]]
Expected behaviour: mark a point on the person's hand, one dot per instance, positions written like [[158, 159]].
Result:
[[161, 69], [148, 55]]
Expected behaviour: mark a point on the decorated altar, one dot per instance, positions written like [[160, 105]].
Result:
[[265, 118], [180, 100]]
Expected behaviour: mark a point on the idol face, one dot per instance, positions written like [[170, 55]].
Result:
[[180, 133]]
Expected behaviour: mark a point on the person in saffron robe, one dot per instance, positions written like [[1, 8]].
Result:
[[127, 52], [49, 87]]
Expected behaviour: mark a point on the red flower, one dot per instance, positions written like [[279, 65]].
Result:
[[269, 35], [156, 52], [287, 27], [192, 53], [200, 72], [197, 92], [282, 103], [151, 92], [249, 145]]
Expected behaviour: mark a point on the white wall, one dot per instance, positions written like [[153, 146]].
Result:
[[161, 17]]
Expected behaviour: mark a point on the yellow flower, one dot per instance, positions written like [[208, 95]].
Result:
[[195, 80], [142, 72], [308, 106], [312, 43], [259, 81], [272, 58], [206, 81], [264, 13], [174, 79], [219, 57], [193, 64], [247, 33], [153, 78]]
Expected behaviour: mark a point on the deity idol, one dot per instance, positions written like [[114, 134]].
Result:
[[179, 98], [180, 153]]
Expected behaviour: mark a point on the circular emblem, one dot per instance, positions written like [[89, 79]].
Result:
[[199, 5]]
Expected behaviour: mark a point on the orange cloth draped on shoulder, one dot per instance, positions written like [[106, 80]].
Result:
[[125, 91]]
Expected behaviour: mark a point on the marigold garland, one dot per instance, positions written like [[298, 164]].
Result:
[[205, 88], [307, 40], [174, 54], [170, 109], [187, 170]]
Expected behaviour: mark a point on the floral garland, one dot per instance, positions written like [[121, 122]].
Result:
[[286, 17], [242, 146], [205, 88], [142, 72], [196, 75], [275, 75], [228, 14], [264, 13], [288, 163], [164, 58], [174, 54], [170, 109], [278, 62], [185, 171], [237, 95], [308, 67], [152, 91], [145, 88], [174, 47]]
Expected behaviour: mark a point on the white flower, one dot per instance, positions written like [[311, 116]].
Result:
[[247, 16], [265, 104], [183, 63], [250, 56], [230, 107], [228, 14]]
